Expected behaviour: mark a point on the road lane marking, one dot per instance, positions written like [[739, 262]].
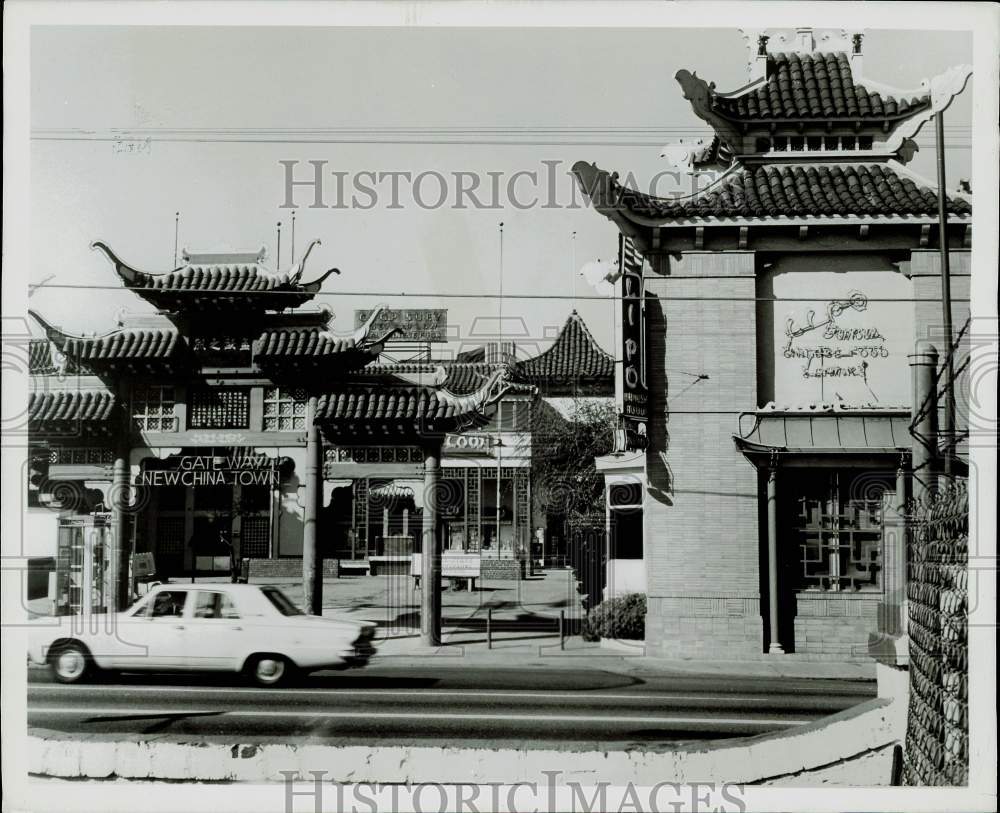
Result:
[[563, 696], [405, 715]]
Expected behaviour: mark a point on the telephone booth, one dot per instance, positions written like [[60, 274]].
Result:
[[81, 565]]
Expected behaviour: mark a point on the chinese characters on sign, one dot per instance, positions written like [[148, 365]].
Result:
[[412, 324]]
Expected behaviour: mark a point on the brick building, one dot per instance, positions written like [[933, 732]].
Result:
[[783, 304]]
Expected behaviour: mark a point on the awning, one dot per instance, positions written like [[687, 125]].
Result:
[[825, 433]]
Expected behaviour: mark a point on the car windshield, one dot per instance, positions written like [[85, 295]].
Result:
[[282, 603]]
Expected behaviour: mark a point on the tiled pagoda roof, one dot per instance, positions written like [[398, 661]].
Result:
[[459, 377], [241, 285], [163, 344], [70, 405], [800, 190], [814, 86], [574, 355], [348, 404], [128, 343]]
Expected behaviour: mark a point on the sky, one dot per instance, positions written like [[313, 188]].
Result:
[[205, 115]]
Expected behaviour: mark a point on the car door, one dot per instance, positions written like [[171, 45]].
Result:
[[216, 636], [155, 633]]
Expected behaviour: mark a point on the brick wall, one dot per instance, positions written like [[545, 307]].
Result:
[[701, 522], [290, 568], [835, 625]]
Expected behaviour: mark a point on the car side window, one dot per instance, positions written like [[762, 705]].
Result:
[[168, 604], [209, 604]]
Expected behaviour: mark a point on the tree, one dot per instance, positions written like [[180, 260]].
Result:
[[563, 447]]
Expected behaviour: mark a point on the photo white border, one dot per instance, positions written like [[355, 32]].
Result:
[[982, 19]]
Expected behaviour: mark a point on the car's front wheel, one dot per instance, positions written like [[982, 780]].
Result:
[[269, 670], [70, 663]]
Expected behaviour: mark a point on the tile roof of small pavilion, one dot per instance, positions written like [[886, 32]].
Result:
[[574, 355], [238, 282]]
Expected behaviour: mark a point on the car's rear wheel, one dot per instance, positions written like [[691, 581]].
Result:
[[70, 663], [269, 670]]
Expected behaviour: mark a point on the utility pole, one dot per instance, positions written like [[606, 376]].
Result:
[[949, 403]]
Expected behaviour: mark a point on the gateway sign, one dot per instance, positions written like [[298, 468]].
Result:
[[214, 470]]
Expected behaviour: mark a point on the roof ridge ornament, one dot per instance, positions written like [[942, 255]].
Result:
[[701, 94], [942, 90], [128, 274], [492, 390], [295, 272]]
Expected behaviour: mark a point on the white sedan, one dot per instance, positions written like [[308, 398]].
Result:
[[249, 628]]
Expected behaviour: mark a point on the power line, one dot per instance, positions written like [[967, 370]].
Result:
[[430, 295]]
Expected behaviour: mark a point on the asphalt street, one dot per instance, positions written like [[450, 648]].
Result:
[[464, 705]]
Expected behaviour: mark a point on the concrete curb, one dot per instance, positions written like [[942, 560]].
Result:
[[818, 751]]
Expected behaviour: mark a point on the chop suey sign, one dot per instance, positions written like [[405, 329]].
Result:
[[214, 470]]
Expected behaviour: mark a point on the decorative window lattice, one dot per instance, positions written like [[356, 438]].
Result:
[[219, 408], [361, 512], [81, 455], [284, 409], [472, 508], [522, 510], [170, 535], [840, 549], [374, 454], [153, 408], [256, 535]]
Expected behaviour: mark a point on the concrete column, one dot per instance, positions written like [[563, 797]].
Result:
[[116, 594], [430, 555], [890, 611], [925, 419], [775, 647], [312, 560], [900, 574]]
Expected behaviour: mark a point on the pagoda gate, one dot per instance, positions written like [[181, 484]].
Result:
[[202, 432]]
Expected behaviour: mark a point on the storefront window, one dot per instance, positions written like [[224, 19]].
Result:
[[153, 408], [284, 409]]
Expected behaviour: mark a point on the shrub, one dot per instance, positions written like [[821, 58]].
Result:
[[622, 617]]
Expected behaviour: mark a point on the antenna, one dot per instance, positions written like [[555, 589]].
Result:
[[177, 226], [293, 237], [500, 301], [573, 270], [277, 260]]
